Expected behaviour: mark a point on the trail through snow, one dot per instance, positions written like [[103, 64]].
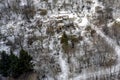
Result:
[[64, 67]]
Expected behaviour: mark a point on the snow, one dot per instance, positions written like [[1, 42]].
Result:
[[82, 21], [64, 67], [103, 71], [118, 19], [110, 24], [23, 3], [111, 42], [4, 47]]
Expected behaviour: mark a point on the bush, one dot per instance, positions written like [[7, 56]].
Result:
[[64, 39], [69, 38], [74, 38], [43, 12], [50, 30], [29, 12], [13, 66], [64, 42], [88, 28]]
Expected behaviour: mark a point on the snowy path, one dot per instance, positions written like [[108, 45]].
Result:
[[64, 67]]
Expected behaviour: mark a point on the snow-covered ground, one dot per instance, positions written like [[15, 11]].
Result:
[[25, 30]]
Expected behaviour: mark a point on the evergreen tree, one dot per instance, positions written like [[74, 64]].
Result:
[[13, 70], [11, 65], [64, 42], [4, 64], [25, 63]]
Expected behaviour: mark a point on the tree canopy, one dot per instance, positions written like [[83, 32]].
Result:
[[14, 66]]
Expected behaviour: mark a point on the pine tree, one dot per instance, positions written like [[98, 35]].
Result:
[[25, 63], [13, 71], [11, 65], [4, 64]]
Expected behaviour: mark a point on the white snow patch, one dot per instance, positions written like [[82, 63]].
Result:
[[118, 19]]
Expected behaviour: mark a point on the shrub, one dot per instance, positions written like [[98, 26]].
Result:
[[116, 24], [43, 12], [50, 30], [74, 38], [29, 12], [64, 39], [88, 28], [93, 32], [64, 42], [65, 48]]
